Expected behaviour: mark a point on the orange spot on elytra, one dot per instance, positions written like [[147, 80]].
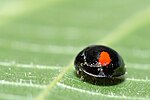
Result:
[[104, 58]]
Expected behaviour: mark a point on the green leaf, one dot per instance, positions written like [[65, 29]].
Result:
[[39, 41]]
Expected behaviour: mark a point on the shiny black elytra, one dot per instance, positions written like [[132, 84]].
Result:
[[101, 65]]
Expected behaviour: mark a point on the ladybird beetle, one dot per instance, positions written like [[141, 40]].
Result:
[[100, 64]]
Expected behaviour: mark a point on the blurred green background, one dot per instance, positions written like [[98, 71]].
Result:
[[50, 33]]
